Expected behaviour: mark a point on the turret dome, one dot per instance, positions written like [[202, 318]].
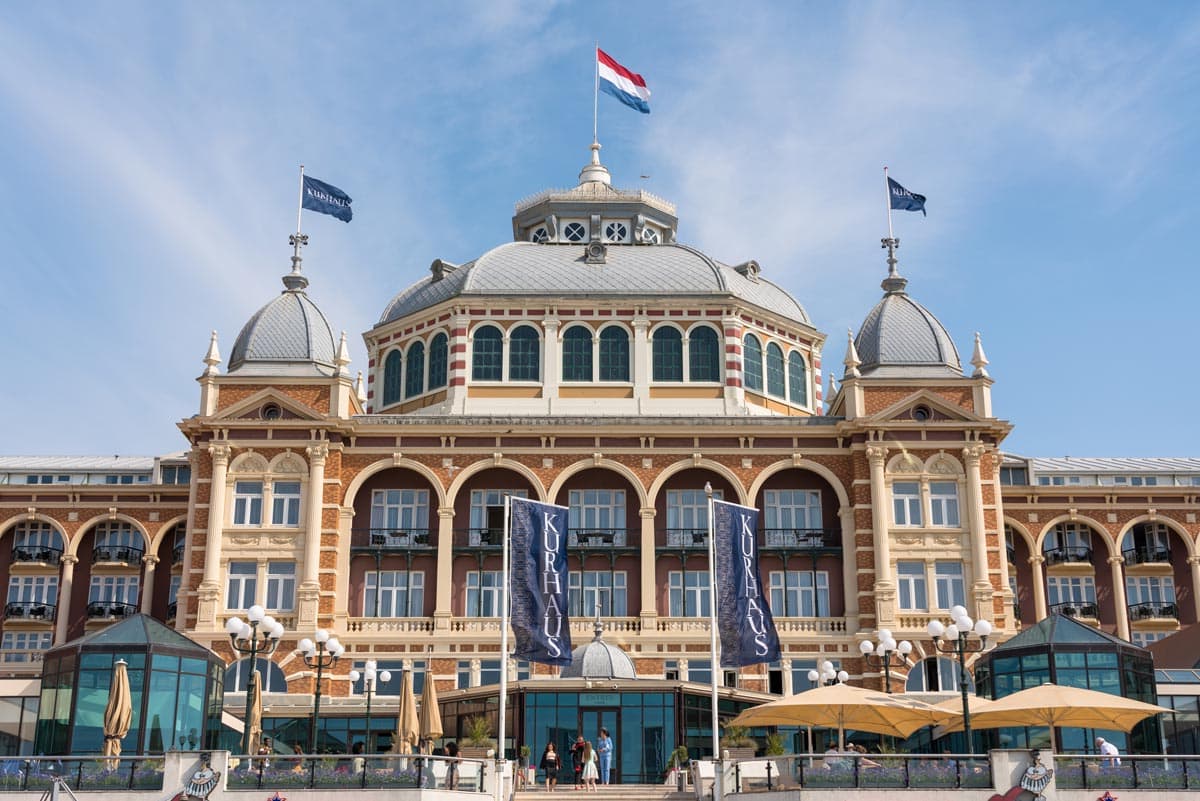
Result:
[[599, 660], [900, 337], [288, 336]]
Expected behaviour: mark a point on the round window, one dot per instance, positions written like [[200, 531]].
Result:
[[650, 236], [921, 413], [616, 232], [271, 411], [539, 235], [574, 232]]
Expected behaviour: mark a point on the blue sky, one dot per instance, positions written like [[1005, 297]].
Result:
[[149, 155]]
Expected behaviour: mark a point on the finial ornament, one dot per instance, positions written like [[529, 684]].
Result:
[[360, 388], [894, 281], [343, 356], [595, 172], [213, 357], [979, 359], [295, 280], [851, 361]]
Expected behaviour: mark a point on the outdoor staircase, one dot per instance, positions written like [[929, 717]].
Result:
[[611, 792]]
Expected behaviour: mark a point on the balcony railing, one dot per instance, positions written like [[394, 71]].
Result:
[[802, 539], [1068, 553], [21, 655], [1159, 773], [485, 538], [172, 610], [1147, 555], [687, 538], [29, 610], [36, 553], [1076, 609], [97, 610], [121, 554], [388, 539], [858, 771], [1150, 611], [177, 554], [597, 538]]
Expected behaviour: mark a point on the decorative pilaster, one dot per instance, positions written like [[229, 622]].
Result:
[[641, 357], [64, 597], [445, 568], [649, 612], [786, 666], [849, 567], [1039, 586], [1194, 564], [209, 591], [983, 591], [1118, 584], [550, 369], [885, 587], [309, 593], [151, 563]]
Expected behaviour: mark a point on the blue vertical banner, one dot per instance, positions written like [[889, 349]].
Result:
[[538, 581], [748, 635]]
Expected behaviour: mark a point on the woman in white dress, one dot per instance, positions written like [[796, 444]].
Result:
[[590, 772]]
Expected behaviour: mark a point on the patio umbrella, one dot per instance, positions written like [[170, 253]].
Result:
[[406, 725], [254, 722], [118, 714], [1055, 706], [431, 715], [841, 707]]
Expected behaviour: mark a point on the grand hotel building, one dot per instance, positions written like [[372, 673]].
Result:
[[597, 363]]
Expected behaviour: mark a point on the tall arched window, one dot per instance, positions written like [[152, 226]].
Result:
[[775, 385], [437, 362], [524, 354], [577, 354], [668, 354], [797, 379], [414, 371], [936, 674], [487, 354], [704, 355], [614, 354], [393, 378], [752, 362]]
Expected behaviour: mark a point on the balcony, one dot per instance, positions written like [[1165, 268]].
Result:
[[1154, 611], [802, 539], [177, 555], [479, 538], [29, 610], [109, 610], [30, 656], [1147, 555], [688, 539], [117, 554], [1076, 609], [172, 610], [393, 539], [597, 539], [37, 554], [1068, 554]]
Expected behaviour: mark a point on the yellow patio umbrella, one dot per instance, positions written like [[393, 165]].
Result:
[[406, 725], [431, 715], [254, 722], [1056, 706], [843, 706], [118, 714]]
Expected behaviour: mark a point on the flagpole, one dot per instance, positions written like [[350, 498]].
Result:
[[503, 645], [298, 240], [596, 94], [300, 200], [712, 621], [887, 196]]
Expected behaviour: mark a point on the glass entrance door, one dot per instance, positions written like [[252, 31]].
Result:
[[590, 723]]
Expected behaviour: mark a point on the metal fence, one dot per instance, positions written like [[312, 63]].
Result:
[[81, 774], [1127, 772], [326, 771], [860, 771]]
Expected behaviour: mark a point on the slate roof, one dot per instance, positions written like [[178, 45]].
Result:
[[118, 464], [289, 332], [527, 269], [900, 337], [1085, 464], [599, 660]]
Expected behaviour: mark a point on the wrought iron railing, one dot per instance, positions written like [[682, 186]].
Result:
[[859, 771], [177, 554], [686, 538], [597, 538], [1127, 772], [405, 539], [29, 610], [359, 771], [36, 553], [1068, 553], [479, 537], [1146, 555], [172, 610], [117, 553], [109, 609], [1147, 611], [801, 538], [1075, 609], [81, 774]]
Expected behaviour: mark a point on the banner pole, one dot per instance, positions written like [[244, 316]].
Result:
[[712, 621], [596, 94], [504, 597], [300, 200], [887, 194]]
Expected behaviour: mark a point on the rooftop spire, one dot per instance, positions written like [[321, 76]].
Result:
[[295, 280], [894, 283], [595, 172], [360, 389], [213, 357], [343, 356], [851, 361], [979, 359]]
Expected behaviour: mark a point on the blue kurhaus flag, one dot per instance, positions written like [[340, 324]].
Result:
[[538, 581], [904, 200], [748, 635], [327, 199]]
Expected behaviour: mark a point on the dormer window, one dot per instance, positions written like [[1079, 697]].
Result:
[[650, 236], [616, 232], [539, 235], [574, 232]]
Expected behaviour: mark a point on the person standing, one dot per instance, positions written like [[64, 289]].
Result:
[[452, 765], [550, 764], [590, 774], [1110, 751], [604, 747], [577, 760]]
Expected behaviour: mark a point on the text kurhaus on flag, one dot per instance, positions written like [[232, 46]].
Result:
[[538, 581], [745, 623], [326, 198]]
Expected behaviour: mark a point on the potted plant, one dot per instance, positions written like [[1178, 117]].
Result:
[[737, 743], [677, 764], [773, 744], [477, 737]]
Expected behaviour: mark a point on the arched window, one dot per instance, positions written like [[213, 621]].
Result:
[[775, 384], [487, 354], [614, 354], [936, 674], [237, 676], [752, 369], [577, 354], [668, 354], [36, 542], [523, 354], [414, 372], [437, 362], [797, 379], [704, 356], [393, 378]]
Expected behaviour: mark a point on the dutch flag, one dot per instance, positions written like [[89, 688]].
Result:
[[623, 84]]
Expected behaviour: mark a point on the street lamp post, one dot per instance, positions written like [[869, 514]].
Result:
[[320, 652], [368, 676], [882, 651], [955, 639], [828, 674], [258, 635]]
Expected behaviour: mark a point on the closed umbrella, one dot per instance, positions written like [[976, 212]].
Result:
[[430, 723], [841, 707], [118, 714], [406, 725], [1056, 706], [254, 722]]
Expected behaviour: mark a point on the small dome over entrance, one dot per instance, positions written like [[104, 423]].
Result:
[[599, 660]]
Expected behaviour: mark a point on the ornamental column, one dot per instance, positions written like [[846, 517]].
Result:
[[786, 666], [849, 567], [209, 591], [443, 594], [885, 587], [151, 563], [309, 592], [1039, 587], [641, 356], [64, 610], [1122, 610], [649, 612], [983, 590], [550, 365], [1194, 563]]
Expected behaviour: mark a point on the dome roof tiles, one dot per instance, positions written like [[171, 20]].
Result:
[[289, 335], [599, 660], [900, 337]]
